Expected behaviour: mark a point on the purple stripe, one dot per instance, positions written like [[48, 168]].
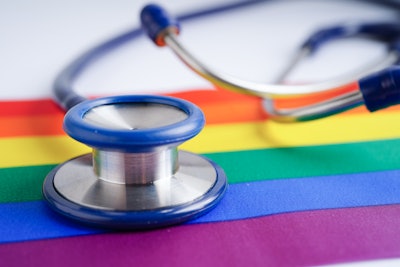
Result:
[[302, 238]]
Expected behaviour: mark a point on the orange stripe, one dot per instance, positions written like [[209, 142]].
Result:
[[200, 97], [31, 125], [43, 117], [316, 97], [223, 106], [37, 125]]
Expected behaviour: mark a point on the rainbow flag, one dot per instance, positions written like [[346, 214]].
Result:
[[311, 193]]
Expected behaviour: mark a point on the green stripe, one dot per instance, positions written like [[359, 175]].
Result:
[[25, 183], [22, 183], [278, 163]]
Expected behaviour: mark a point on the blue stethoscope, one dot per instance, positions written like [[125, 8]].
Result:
[[136, 177]]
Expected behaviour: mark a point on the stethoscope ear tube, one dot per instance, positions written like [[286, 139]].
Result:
[[382, 31], [381, 89], [157, 22], [159, 25]]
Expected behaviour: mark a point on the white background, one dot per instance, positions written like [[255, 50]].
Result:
[[38, 38]]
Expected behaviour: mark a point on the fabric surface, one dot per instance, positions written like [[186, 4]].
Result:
[[299, 194]]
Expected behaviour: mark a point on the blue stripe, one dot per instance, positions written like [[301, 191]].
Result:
[[33, 220]]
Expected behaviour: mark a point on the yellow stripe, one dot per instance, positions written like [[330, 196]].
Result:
[[23, 151], [332, 130]]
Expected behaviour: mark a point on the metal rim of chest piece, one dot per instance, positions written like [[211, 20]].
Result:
[[135, 178]]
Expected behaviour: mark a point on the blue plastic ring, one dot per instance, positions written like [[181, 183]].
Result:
[[139, 140], [146, 219]]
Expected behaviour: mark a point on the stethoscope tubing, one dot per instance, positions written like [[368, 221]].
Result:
[[63, 86], [270, 93], [67, 97]]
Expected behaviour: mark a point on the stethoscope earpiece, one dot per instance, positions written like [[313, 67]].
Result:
[[135, 178]]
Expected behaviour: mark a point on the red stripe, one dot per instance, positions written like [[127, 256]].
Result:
[[29, 107]]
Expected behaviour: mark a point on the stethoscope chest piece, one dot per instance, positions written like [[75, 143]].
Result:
[[135, 178]]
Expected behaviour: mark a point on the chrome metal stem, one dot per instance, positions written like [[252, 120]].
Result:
[[135, 168], [314, 111], [271, 92]]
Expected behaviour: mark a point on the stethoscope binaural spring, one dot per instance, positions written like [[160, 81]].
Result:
[[378, 90], [136, 177]]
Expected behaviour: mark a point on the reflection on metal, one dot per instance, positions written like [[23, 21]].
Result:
[[77, 181]]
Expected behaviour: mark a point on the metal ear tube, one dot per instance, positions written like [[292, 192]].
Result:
[[163, 30]]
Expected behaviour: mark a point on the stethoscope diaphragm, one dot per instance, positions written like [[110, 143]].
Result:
[[135, 178]]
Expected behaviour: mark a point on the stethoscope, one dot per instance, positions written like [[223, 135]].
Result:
[[136, 177]]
